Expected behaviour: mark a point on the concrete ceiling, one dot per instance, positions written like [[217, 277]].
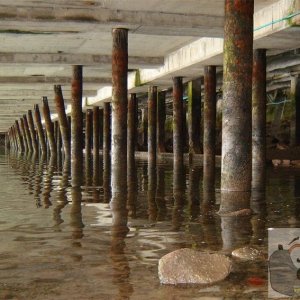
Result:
[[40, 40]]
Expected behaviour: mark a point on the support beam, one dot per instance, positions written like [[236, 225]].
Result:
[[209, 126], [194, 116], [132, 127], [40, 130], [152, 111], [88, 136], [119, 105], [76, 127], [177, 120], [27, 132], [106, 134], [237, 87], [49, 127], [32, 133], [145, 128], [96, 139], [63, 121], [161, 120], [259, 101]]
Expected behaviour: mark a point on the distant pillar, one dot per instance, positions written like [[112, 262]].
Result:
[[144, 127], [58, 140], [24, 135], [152, 110], [106, 134], [132, 127], [96, 138], [63, 121], [40, 130], [209, 124], [259, 101], [295, 120], [76, 127], [19, 135], [161, 120], [237, 87], [49, 127], [177, 120], [119, 106], [101, 116], [32, 132], [27, 132], [194, 116], [88, 136]]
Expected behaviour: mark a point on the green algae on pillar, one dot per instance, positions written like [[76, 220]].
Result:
[[40, 130], [161, 120], [152, 107], [237, 87], [259, 101]]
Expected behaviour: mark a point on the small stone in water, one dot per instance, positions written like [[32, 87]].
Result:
[[247, 253]]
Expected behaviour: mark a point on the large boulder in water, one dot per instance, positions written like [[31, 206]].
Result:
[[190, 266]]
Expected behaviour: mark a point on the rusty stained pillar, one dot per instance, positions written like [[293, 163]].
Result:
[[58, 140], [76, 127], [32, 133], [119, 110], [144, 128], [106, 135], [209, 126], [259, 101], [24, 135], [178, 120], [40, 130], [49, 127], [101, 116], [88, 136], [27, 132], [295, 118], [237, 87], [194, 116], [19, 135], [152, 111], [63, 121], [161, 120], [132, 127], [96, 143]]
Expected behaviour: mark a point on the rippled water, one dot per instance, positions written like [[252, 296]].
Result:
[[64, 243]]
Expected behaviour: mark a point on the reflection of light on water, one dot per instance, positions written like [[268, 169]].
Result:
[[104, 215]]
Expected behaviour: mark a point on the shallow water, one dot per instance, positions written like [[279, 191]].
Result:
[[64, 243]]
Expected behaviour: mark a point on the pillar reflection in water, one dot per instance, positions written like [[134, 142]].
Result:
[[48, 181], [132, 188], [39, 180], [160, 193], [194, 193], [152, 207]]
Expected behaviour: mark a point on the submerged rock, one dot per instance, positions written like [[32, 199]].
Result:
[[190, 266], [248, 253]]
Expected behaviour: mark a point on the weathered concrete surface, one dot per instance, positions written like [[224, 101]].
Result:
[[190, 266]]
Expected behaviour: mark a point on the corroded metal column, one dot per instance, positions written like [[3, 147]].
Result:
[[32, 132], [76, 126], [161, 119], [295, 119], [177, 120], [40, 130], [63, 121], [49, 127], [27, 132], [132, 127], [209, 125], [88, 136], [96, 140], [19, 135], [106, 136], [24, 135], [119, 106], [194, 116], [152, 110], [259, 99], [237, 86]]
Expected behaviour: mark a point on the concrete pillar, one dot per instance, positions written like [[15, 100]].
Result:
[[259, 99], [132, 127], [63, 121], [27, 132], [19, 135], [40, 130], [96, 140], [24, 135], [237, 87], [161, 120], [144, 128], [295, 119], [152, 111], [32, 132], [101, 116], [209, 126], [58, 140], [76, 127], [119, 107], [177, 120], [194, 116], [88, 136], [106, 134], [49, 127]]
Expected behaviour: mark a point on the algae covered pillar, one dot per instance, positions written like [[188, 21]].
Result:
[[237, 87], [209, 126], [76, 127], [40, 130], [161, 120], [178, 120], [295, 122], [259, 98], [194, 116], [132, 126], [152, 104], [119, 106]]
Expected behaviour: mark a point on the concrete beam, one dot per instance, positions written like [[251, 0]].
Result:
[[29, 94]]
